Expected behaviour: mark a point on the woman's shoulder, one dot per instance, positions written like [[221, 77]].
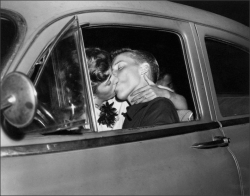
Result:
[[161, 103], [161, 100], [161, 111]]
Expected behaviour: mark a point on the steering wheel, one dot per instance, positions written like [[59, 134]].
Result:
[[43, 116]]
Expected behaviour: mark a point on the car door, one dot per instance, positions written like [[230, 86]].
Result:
[[227, 64], [71, 157]]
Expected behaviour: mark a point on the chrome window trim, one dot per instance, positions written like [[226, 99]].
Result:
[[141, 134], [86, 78], [87, 143]]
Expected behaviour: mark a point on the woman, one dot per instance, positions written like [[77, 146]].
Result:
[[103, 87]]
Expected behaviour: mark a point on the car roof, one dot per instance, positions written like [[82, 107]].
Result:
[[40, 13]]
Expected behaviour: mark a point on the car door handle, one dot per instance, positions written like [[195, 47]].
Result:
[[219, 141]]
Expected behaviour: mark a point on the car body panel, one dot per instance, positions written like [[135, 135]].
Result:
[[240, 148], [159, 166]]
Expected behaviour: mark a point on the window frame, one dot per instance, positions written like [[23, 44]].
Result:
[[222, 37], [158, 22], [48, 52]]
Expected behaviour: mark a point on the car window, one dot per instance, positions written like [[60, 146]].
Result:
[[57, 76], [166, 46], [8, 35], [230, 70]]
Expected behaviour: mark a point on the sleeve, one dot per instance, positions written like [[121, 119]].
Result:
[[160, 112]]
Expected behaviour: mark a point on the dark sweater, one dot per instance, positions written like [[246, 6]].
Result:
[[159, 111]]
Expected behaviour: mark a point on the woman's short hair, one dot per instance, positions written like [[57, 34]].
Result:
[[99, 63], [141, 56]]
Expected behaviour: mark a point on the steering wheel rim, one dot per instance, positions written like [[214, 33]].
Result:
[[44, 116]]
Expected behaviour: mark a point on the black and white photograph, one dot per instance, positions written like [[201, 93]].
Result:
[[125, 97]]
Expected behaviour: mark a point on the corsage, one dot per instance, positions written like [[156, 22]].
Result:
[[108, 115]]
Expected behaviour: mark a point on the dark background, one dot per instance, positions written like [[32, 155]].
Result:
[[236, 10]]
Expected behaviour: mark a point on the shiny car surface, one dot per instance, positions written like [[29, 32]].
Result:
[[52, 146]]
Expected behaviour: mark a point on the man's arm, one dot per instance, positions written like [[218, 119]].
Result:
[[151, 91]]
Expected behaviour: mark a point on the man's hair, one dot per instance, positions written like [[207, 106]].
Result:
[[141, 56], [98, 64]]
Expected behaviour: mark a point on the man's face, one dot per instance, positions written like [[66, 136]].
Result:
[[126, 70]]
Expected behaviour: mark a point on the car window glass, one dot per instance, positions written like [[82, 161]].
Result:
[[230, 70], [60, 89], [166, 46]]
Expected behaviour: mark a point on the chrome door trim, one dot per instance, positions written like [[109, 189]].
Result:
[[233, 122], [149, 134]]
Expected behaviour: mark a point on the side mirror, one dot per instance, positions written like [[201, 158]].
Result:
[[18, 99]]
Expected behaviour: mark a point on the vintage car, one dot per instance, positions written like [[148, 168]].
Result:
[[49, 138]]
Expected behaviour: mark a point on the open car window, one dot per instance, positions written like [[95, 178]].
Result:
[[166, 46]]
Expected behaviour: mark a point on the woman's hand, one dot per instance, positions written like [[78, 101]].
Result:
[[147, 93], [151, 91]]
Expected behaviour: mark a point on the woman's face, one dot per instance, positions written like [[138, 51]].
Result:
[[106, 89]]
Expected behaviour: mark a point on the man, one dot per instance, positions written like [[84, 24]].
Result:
[[130, 66]]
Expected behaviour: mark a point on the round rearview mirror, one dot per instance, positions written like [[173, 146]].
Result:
[[18, 99]]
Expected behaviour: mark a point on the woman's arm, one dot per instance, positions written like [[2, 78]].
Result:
[[151, 91]]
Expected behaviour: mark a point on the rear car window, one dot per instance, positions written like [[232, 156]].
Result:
[[230, 69]]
